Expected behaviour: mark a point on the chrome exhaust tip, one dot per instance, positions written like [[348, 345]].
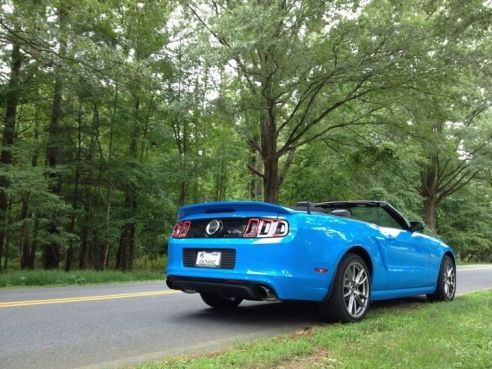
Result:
[[266, 294]]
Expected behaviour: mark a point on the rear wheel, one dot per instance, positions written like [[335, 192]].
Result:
[[446, 281], [350, 295], [220, 302]]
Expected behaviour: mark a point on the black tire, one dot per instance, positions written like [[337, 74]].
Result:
[[446, 281], [347, 291], [220, 302]]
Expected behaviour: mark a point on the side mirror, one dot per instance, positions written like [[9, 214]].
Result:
[[416, 226]]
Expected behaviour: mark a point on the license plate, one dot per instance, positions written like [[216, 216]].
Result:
[[208, 259]]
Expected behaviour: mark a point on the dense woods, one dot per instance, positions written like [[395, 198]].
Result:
[[116, 112]]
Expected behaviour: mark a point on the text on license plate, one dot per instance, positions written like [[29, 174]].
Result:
[[208, 259]]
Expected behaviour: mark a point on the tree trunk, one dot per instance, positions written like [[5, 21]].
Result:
[[126, 250], [24, 235], [84, 231], [98, 265], [30, 243], [183, 189], [107, 242], [7, 235], [98, 246], [430, 212], [271, 183], [34, 244], [75, 195], [221, 181], [85, 250], [7, 244], [51, 254], [110, 185], [12, 99], [69, 257], [255, 183], [182, 143]]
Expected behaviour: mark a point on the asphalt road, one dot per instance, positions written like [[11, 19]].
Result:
[[109, 325]]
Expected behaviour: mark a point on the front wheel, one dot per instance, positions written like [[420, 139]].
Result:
[[220, 302], [351, 291], [446, 281]]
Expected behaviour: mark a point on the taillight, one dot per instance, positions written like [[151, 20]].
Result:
[[281, 228], [255, 227], [181, 229], [251, 229], [266, 227]]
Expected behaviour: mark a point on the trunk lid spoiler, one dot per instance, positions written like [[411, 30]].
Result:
[[231, 207]]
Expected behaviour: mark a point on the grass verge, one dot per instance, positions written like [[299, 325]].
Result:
[[441, 335], [61, 278]]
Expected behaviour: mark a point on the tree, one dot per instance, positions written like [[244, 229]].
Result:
[[449, 117], [448, 169], [305, 70], [8, 136], [115, 113]]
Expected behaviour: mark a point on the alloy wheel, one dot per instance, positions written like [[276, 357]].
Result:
[[449, 279], [356, 289]]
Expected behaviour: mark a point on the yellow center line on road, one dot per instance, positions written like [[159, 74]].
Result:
[[66, 300]]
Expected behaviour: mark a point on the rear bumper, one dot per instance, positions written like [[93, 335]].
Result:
[[244, 289], [282, 264]]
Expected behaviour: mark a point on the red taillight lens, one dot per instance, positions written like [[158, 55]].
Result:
[[281, 228], [185, 229], [266, 227], [181, 229], [177, 230], [251, 228]]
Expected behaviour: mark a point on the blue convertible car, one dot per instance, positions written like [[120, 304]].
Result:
[[342, 254]]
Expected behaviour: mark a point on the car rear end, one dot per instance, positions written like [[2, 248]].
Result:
[[249, 250]]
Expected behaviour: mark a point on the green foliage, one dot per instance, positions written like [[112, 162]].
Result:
[[51, 278], [31, 186], [166, 103], [465, 223], [148, 263]]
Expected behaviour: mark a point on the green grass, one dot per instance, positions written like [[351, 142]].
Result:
[[61, 278], [441, 335], [470, 262]]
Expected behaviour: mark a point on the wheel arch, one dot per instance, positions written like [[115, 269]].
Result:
[[451, 255], [362, 252], [357, 250]]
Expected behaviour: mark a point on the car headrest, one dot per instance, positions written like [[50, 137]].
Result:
[[342, 213]]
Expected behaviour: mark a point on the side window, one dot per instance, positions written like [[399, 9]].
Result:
[[386, 220], [375, 215], [366, 214]]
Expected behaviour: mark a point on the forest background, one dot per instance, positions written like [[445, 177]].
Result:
[[116, 112]]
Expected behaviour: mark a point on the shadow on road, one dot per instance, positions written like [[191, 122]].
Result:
[[278, 314]]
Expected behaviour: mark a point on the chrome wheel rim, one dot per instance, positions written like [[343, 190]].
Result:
[[356, 289], [449, 280]]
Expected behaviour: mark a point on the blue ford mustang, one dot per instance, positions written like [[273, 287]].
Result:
[[342, 254]]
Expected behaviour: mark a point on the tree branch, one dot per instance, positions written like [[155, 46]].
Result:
[[459, 184], [294, 137], [254, 171], [285, 168], [325, 131]]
